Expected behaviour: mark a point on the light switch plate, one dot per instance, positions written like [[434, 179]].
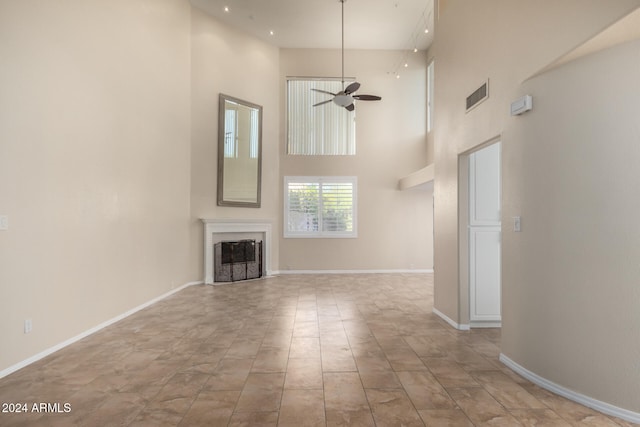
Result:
[[517, 227], [4, 222]]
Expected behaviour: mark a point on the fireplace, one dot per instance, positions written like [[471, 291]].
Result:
[[218, 230], [237, 260]]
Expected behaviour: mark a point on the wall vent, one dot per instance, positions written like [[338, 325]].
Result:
[[478, 96]]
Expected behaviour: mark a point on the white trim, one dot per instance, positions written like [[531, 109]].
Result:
[[590, 402], [284, 272], [60, 346], [458, 326], [485, 324]]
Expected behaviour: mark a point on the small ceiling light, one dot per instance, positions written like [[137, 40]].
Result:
[[397, 76], [415, 49], [271, 32], [226, 9], [406, 65], [426, 31]]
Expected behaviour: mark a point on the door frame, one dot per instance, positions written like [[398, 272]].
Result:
[[464, 308]]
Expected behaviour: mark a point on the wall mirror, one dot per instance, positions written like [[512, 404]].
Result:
[[239, 152]]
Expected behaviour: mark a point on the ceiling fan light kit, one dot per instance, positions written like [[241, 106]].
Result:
[[346, 97]]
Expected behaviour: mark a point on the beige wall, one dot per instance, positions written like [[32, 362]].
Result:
[[394, 227], [224, 60], [94, 163], [571, 278], [568, 278], [108, 136]]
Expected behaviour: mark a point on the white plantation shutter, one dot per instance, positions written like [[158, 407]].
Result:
[[337, 204], [304, 206], [323, 130], [320, 206]]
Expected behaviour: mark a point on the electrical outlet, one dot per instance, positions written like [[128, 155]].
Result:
[[4, 222], [28, 326]]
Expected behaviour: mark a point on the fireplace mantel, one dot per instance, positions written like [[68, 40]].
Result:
[[221, 226]]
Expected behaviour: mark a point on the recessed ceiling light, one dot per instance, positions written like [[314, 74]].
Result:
[[226, 8], [426, 30], [406, 65], [271, 33], [415, 49]]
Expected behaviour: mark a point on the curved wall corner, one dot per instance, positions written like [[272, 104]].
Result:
[[570, 394], [570, 293], [570, 287]]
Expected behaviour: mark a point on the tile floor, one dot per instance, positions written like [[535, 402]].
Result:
[[325, 350]]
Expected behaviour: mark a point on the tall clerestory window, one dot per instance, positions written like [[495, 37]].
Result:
[[318, 131], [430, 97]]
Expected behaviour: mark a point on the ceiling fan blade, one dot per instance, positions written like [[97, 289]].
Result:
[[323, 91], [350, 107], [352, 88], [323, 102], [366, 97]]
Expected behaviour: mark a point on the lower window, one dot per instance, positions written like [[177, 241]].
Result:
[[320, 206]]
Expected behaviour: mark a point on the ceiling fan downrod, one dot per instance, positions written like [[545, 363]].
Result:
[[342, 2], [345, 98]]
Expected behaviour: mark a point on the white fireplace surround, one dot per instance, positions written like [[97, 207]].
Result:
[[235, 226]]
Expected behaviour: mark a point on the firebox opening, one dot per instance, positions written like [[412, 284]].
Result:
[[237, 260]]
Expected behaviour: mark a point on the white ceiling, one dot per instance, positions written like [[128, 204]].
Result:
[[369, 24]]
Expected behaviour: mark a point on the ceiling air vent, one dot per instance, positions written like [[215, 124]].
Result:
[[478, 95]]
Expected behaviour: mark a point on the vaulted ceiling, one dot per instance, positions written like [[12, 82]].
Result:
[[369, 24]]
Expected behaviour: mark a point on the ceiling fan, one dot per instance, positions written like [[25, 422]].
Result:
[[346, 96]]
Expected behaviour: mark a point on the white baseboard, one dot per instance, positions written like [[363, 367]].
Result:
[[51, 350], [590, 402], [485, 324], [283, 272], [460, 327]]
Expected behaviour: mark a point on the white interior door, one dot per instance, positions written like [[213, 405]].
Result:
[[484, 236]]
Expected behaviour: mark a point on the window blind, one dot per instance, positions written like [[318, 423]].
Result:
[[323, 130]]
